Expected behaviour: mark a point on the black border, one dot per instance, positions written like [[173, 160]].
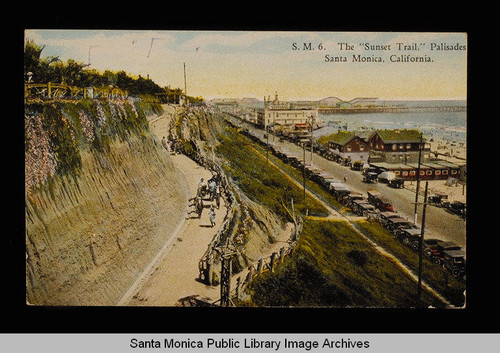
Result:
[[35, 319]]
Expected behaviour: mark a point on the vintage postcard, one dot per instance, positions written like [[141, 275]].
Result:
[[245, 168]]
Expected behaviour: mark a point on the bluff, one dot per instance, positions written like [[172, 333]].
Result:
[[99, 198]]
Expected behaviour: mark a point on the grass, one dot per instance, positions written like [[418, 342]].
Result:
[[261, 181], [437, 277], [333, 266]]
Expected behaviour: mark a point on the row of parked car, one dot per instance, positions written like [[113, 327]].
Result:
[[375, 206]]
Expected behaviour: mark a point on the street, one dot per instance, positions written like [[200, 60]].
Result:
[[439, 223]]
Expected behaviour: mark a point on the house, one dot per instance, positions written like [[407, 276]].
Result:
[[347, 145], [397, 146]]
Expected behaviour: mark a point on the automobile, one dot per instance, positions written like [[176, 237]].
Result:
[[383, 217], [437, 199], [339, 190], [454, 261], [395, 225], [353, 196], [321, 177], [371, 170], [410, 237], [362, 207], [456, 207], [370, 177], [379, 201], [429, 245], [357, 165], [384, 177], [326, 183], [437, 253], [397, 183]]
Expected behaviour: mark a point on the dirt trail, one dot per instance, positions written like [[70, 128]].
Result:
[[170, 278]]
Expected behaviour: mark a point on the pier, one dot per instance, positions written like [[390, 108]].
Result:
[[381, 109]]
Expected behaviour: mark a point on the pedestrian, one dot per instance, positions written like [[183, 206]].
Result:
[[345, 178], [164, 143], [212, 186], [199, 206], [217, 196], [212, 216], [201, 186]]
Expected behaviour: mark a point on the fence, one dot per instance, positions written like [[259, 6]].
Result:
[[266, 263], [59, 90], [217, 258]]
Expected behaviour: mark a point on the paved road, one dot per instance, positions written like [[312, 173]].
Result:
[[439, 223]]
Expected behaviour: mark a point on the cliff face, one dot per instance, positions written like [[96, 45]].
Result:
[[92, 228]]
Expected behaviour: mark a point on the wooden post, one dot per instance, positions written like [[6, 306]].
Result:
[[209, 272], [225, 281], [250, 275], [273, 259], [259, 265], [238, 285]]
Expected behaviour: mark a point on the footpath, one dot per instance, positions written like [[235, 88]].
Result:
[[171, 277]]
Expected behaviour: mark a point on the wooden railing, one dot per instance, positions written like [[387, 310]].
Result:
[[59, 90]]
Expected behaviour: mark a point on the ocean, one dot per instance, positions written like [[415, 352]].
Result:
[[451, 126]]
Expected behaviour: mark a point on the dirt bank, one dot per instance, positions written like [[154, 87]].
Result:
[[88, 239]]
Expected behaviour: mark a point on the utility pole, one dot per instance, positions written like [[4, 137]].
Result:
[[421, 246], [304, 170], [418, 178], [311, 132], [185, 87], [267, 144]]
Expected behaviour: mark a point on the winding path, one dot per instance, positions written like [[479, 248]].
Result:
[[172, 274]]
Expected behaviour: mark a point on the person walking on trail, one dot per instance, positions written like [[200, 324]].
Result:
[[165, 144], [201, 187], [345, 178], [217, 196], [199, 206], [212, 216], [212, 185]]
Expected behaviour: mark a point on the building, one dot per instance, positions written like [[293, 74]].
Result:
[[397, 151], [347, 145], [398, 146], [283, 114]]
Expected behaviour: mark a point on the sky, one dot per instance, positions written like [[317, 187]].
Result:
[[296, 65]]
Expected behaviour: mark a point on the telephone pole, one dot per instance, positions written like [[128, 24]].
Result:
[[421, 246], [418, 178], [304, 170], [185, 87]]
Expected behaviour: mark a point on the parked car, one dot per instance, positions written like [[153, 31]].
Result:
[[357, 165], [362, 207], [379, 201], [454, 261], [371, 170], [383, 217], [429, 245], [384, 177], [410, 237], [456, 207], [437, 199], [395, 225], [437, 254], [339, 190], [370, 177], [397, 183]]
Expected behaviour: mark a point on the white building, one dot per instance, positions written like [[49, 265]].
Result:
[[282, 113]]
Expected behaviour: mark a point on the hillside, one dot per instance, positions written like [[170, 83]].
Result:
[[99, 191]]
